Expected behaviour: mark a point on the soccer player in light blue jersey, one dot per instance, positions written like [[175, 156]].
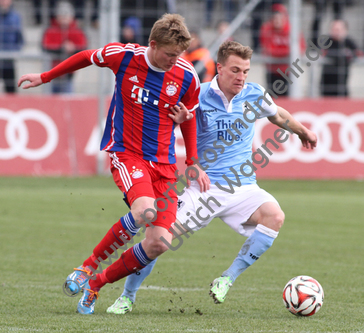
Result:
[[229, 107]]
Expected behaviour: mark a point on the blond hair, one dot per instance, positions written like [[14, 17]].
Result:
[[171, 29], [229, 48]]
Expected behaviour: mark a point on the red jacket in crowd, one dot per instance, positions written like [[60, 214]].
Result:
[[64, 41], [275, 41]]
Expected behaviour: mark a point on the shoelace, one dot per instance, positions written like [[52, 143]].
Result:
[[82, 277], [85, 270], [91, 297]]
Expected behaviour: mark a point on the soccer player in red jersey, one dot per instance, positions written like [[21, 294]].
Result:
[[155, 89]]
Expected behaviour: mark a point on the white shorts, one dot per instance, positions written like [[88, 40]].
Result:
[[232, 208]]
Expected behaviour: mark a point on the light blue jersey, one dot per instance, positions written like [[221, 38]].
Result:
[[215, 118]]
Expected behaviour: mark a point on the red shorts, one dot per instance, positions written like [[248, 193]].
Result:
[[141, 178]]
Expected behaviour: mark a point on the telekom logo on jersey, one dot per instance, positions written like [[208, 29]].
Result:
[[141, 95]]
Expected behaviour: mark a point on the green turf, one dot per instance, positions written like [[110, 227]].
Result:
[[48, 226]]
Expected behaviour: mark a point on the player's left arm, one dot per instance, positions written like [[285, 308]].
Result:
[[284, 119], [189, 103], [189, 133]]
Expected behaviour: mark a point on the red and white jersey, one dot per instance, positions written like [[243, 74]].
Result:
[[138, 119]]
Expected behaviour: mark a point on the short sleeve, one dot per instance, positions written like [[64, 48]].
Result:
[[190, 98], [110, 56], [269, 109]]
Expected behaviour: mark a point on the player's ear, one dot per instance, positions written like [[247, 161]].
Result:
[[153, 44], [218, 67]]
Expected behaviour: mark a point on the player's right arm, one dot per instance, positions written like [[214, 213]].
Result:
[[77, 61], [109, 56]]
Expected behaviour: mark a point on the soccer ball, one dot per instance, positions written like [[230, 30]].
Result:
[[303, 296]]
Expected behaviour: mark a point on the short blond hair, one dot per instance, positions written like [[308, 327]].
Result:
[[229, 48], [171, 29]]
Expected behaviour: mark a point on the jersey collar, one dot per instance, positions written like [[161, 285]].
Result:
[[215, 87]]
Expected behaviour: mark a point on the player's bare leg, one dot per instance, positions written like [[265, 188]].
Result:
[[152, 244], [269, 219], [268, 214]]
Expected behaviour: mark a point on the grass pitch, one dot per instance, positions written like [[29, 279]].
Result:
[[50, 225]]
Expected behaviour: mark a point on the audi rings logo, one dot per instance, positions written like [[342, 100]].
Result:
[[17, 134], [350, 138]]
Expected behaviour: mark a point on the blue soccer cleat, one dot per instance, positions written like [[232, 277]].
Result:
[[86, 304], [76, 281]]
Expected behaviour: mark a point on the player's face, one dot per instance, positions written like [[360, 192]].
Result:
[[232, 75], [165, 56]]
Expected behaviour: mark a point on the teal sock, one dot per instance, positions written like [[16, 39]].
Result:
[[134, 281], [260, 241]]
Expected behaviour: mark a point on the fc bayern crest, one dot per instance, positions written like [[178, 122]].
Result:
[[138, 173], [171, 88]]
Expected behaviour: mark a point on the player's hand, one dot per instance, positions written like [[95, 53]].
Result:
[[203, 179], [308, 139], [34, 80], [180, 113]]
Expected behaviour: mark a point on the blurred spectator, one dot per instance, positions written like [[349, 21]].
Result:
[[222, 26], [11, 39], [274, 40], [338, 7], [262, 11], [79, 6], [338, 58], [196, 53], [63, 38], [148, 11], [230, 7], [131, 31]]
